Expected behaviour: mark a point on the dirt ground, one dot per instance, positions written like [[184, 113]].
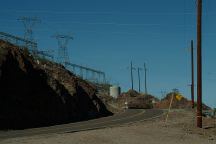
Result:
[[180, 129]]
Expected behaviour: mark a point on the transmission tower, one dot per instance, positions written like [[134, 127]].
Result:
[[63, 40], [29, 23]]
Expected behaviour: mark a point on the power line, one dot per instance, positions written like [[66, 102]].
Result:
[[95, 12]]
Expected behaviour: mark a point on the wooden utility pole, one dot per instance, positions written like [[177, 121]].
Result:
[[199, 64], [145, 70], [192, 74], [131, 69], [138, 70]]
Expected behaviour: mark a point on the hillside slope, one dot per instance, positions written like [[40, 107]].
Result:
[[35, 93]]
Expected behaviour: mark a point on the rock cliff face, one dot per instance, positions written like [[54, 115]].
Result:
[[36, 93]]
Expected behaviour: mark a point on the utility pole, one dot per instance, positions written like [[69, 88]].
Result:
[[131, 69], [199, 64], [145, 71], [138, 70], [192, 74]]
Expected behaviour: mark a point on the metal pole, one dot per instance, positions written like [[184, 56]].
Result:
[[145, 70], [199, 64], [192, 74], [138, 69], [131, 75]]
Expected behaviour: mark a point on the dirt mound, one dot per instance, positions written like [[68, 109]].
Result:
[[136, 100], [40, 93], [178, 104], [184, 103], [130, 93]]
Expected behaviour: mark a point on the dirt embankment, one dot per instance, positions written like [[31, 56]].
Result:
[[136, 100], [35, 93], [177, 104], [133, 99]]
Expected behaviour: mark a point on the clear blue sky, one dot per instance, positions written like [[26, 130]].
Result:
[[108, 34]]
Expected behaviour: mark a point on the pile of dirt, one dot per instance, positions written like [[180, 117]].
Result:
[[130, 93], [38, 93], [183, 103], [135, 99], [178, 104]]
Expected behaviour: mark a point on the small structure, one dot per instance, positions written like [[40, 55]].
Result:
[[115, 91]]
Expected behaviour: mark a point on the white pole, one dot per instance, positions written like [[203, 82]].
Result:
[[169, 107]]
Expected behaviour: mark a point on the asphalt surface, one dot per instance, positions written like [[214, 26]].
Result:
[[127, 117]]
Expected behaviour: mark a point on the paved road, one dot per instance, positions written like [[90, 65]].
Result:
[[129, 116]]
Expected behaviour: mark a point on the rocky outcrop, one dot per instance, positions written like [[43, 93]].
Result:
[[35, 93]]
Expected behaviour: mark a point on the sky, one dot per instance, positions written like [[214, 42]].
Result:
[[108, 34]]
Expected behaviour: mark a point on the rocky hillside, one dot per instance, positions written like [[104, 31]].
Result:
[[37, 93]]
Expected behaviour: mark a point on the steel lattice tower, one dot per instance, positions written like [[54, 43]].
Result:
[[29, 23], [63, 40]]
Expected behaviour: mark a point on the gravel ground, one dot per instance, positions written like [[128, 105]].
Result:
[[180, 129]]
